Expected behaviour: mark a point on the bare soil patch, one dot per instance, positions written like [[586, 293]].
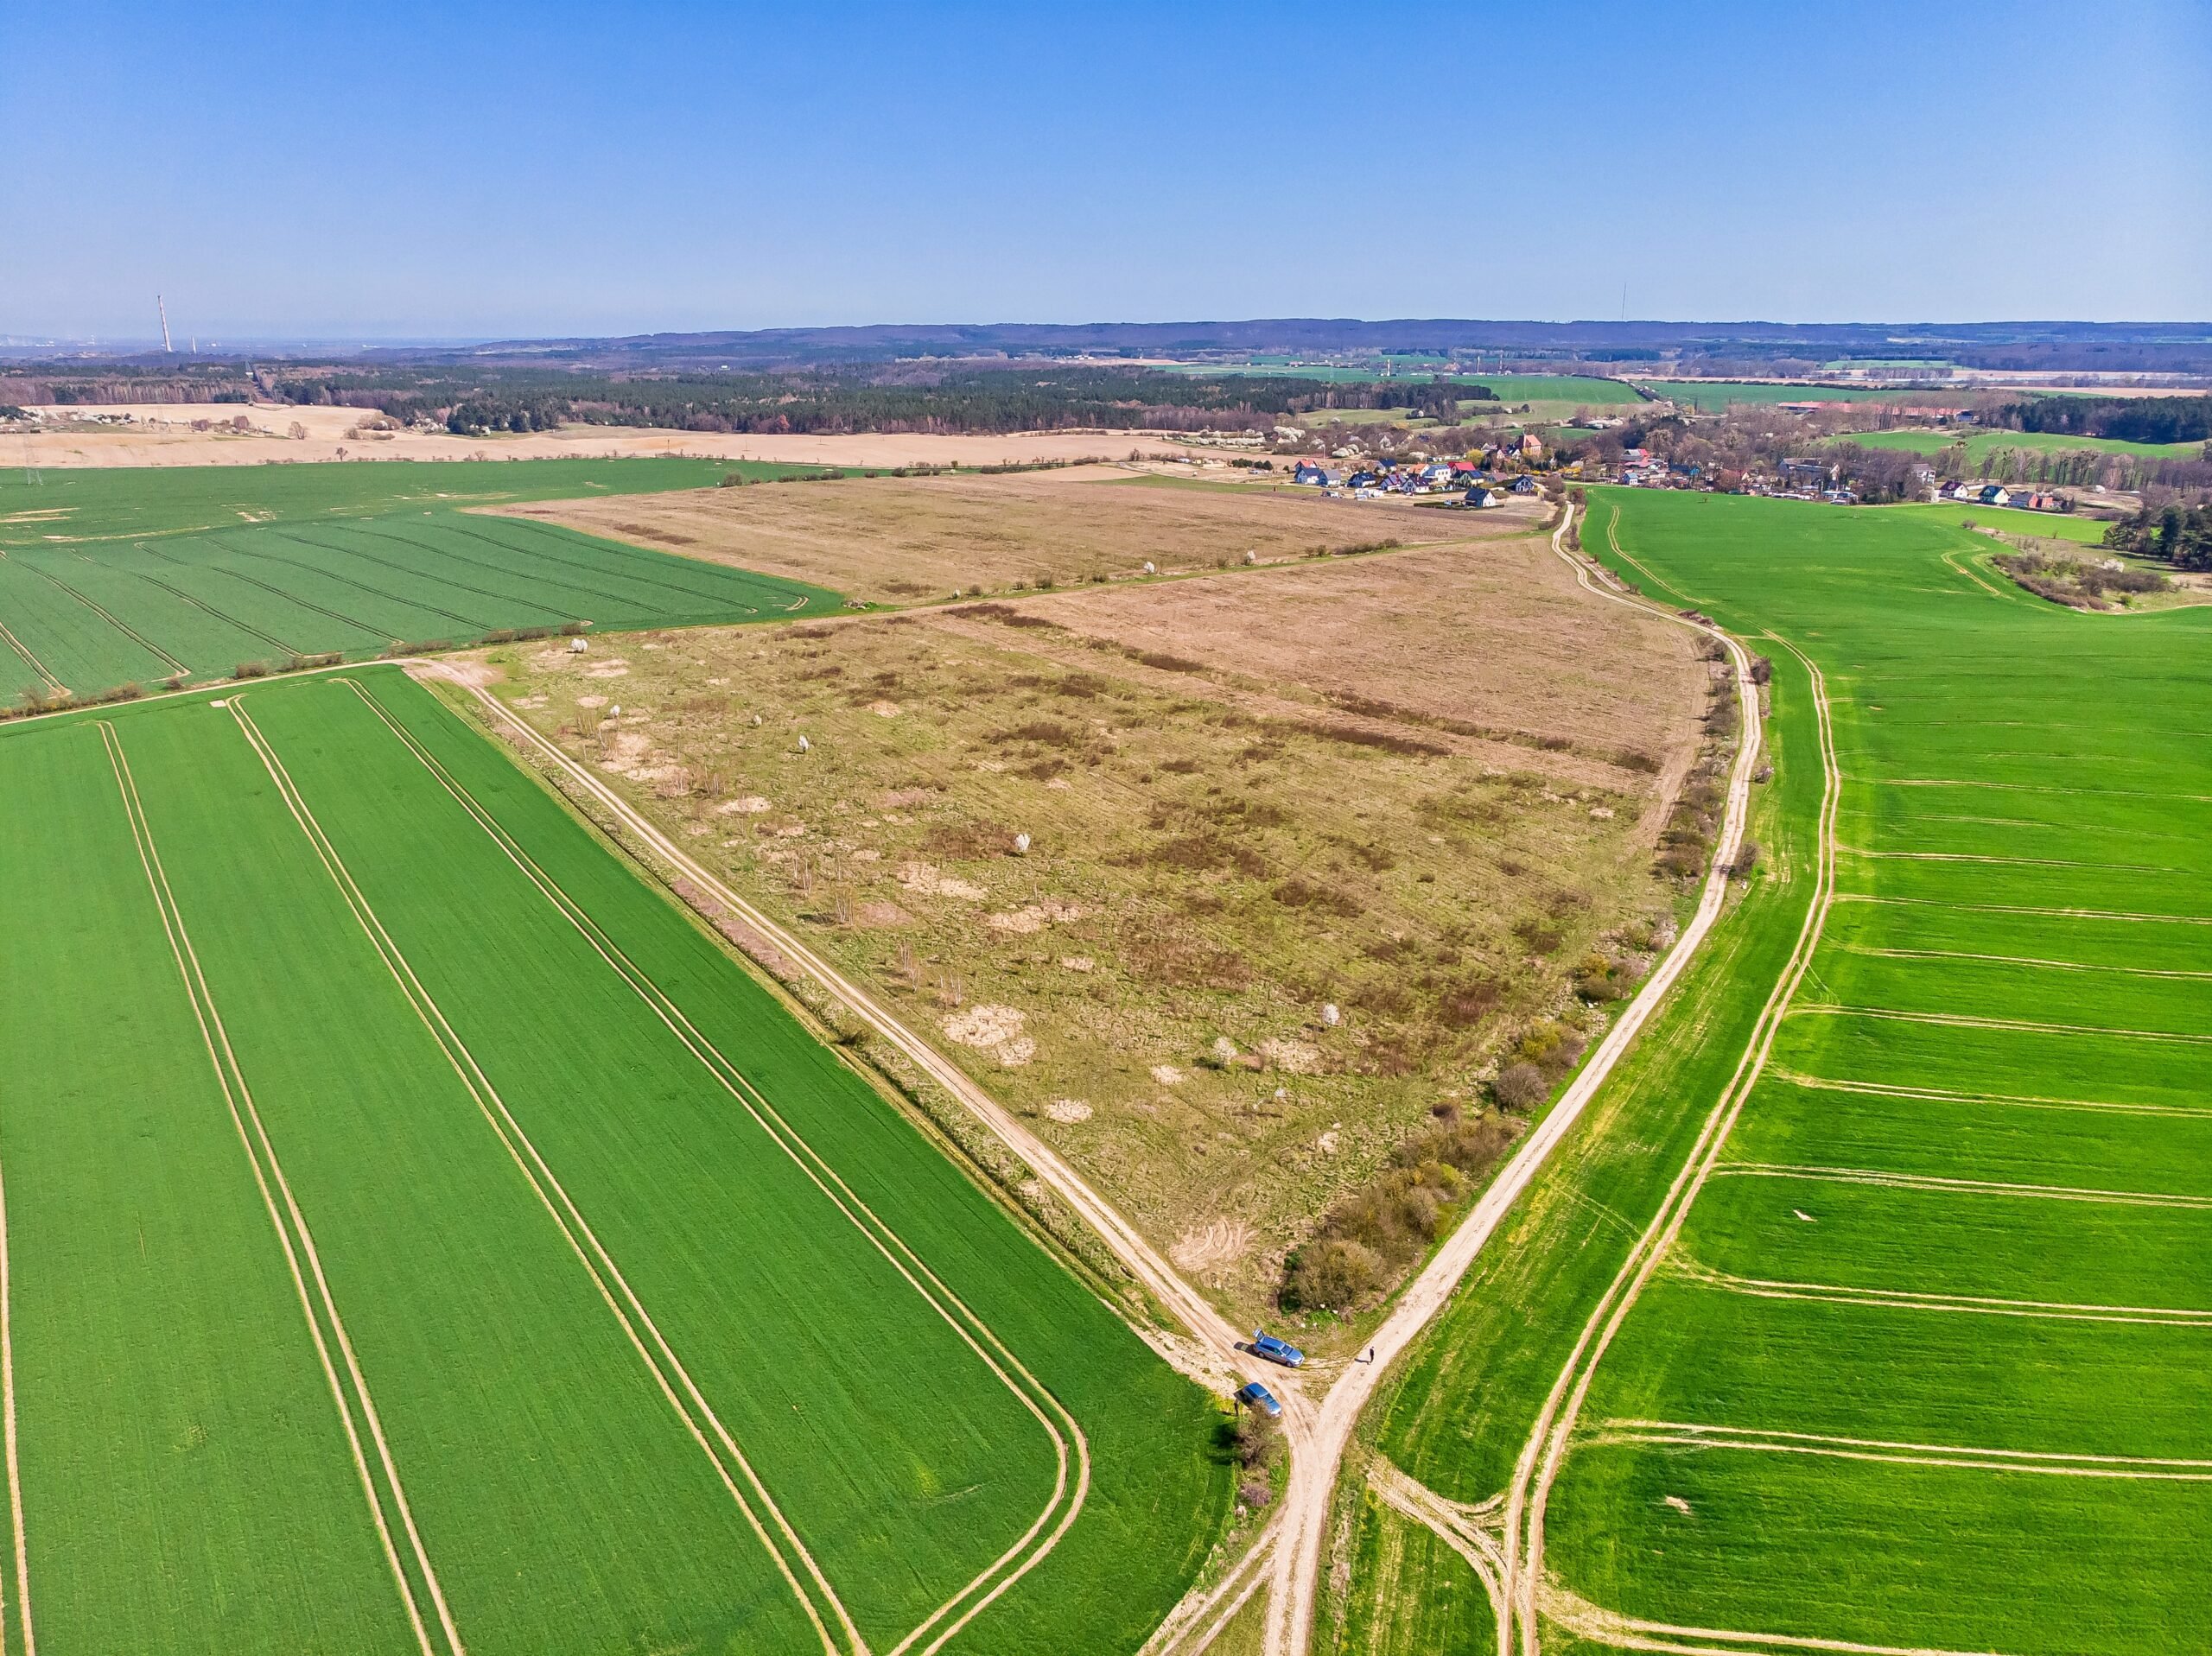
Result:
[[909, 540]]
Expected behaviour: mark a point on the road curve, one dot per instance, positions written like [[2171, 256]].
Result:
[[1304, 1518]]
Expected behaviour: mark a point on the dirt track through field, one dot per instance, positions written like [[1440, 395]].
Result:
[[292, 1232], [1020, 1558], [1580, 1617], [674, 1381], [1545, 1452]]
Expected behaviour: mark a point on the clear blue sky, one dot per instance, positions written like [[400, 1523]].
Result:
[[456, 169]]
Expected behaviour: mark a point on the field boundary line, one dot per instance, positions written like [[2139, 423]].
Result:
[[480, 1090], [297, 1238], [1546, 1448], [819, 1169], [1696, 1435], [1969, 1020], [1961, 1187], [1905, 1299], [1943, 1095]]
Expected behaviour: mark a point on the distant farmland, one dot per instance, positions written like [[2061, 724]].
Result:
[[109, 578], [423, 1236], [1981, 444]]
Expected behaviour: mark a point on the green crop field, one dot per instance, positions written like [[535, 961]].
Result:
[[120, 576], [1917, 1371], [421, 1234], [1979, 445], [1713, 395]]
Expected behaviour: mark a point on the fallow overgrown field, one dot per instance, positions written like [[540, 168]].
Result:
[[1425, 789], [421, 1234], [900, 541]]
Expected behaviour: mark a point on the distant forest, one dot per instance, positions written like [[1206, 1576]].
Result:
[[474, 400], [2130, 419]]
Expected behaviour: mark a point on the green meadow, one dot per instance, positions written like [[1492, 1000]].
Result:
[[1981, 444], [1714, 394], [1923, 1349], [390, 1151], [121, 576]]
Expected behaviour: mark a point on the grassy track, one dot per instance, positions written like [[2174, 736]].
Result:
[[1921, 1337], [612, 1262], [118, 577]]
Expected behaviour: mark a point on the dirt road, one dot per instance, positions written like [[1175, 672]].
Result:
[[1305, 1515]]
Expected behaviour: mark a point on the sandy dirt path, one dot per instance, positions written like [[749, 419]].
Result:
[[1313, 1476], [1541, 1457]]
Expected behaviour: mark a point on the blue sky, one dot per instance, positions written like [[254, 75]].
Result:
[[358, 171]]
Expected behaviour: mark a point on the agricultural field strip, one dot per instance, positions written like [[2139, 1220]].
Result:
[[252, 580], [1874, 952], [30, 660], [1588, 1620], [1726, 1168], [362, 585], [1680, 1434], [2016, 1100], [2019, 907], [1966, 1020], [1688, 1269], [290, 1224], [1538, 1464], [1306, 1510], [567, 1217], [136, 637], [8, 1448], [202, 605], [901, 1256]]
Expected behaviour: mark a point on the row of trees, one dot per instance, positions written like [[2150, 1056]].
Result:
[[2130, 419]]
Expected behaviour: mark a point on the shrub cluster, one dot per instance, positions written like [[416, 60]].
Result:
[[1365, 1241]]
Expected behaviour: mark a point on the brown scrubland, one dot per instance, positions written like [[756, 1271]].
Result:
[[1276, 895]]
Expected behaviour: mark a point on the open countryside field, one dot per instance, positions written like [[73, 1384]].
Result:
[[1425, 785], [109, 578], [1981, 445], [1913, 1371], [1714, 394], [423, 1235], [906, 539]]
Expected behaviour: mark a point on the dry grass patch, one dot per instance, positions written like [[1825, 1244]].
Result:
[[905, 540], [1096, 882]]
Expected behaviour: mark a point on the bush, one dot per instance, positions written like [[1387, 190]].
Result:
[[1521, 1086], [250, 669], [1328, 1274]]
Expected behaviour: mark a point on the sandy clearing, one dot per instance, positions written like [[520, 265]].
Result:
[[1028, 1551]]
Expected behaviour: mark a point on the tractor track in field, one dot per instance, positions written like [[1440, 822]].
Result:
[[2015, 1101], [1541, 1457], [1020, 1558], [292, 1233], [1903, 1299], [661, 1361], [1701, 1435]]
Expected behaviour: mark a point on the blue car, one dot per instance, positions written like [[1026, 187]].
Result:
[[1276, 1351], [1253, 1395]]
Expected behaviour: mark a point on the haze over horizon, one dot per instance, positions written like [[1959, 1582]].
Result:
[[501, 174]]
